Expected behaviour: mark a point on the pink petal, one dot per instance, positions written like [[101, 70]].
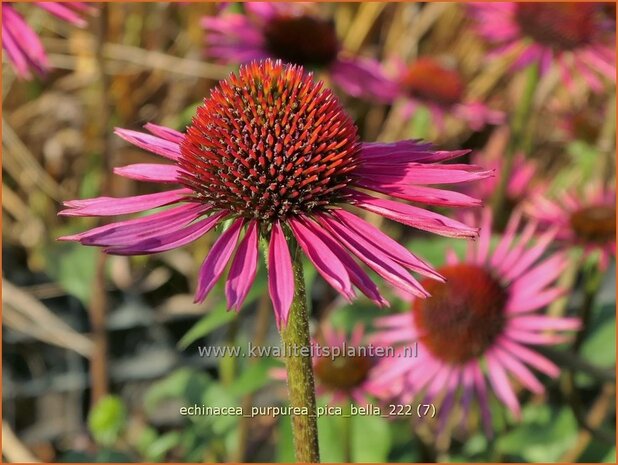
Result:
[[111, 206], [373, 257], [412, 216], [325, 261], [149, 172], [243, 269], [502, 386], [163, 132], [389, 246], [358, 277], [217, 259], [163, 147], [169, 240], [280, 275]]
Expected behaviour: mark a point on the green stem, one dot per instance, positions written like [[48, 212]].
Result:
[[299, 366], [518, 125], [347, 433]]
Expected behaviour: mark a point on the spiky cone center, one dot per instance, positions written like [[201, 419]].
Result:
[[268, 144], [344, 372], [430, 81], [302, 40], [561, 26], [463, 316], [594, 224]]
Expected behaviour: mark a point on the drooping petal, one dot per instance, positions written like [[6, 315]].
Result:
[[243, 269], [217, 259], [389, 246], [373, 257], [325, 260], [166, 133], [280, 275], [358, 277]]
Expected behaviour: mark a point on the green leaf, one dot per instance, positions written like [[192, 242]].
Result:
[[254, 377], [216, 318], [371, 440], [107, 420], [159, 448], [331, 437], [285, 441], [73, 267], [599, 347], [543, 436], [184, 384]]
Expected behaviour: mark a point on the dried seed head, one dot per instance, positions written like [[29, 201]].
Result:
[[270, 143]]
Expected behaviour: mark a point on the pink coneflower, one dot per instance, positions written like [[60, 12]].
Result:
[[478, 326], [341, 365], [294, 33], [587, 220], [576, 36], [273, 151], [440, 88], [23, 46]]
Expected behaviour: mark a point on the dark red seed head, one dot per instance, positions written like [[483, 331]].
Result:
[[428, 80], [269, 143], [463, 316], [594, 224], [302, 40], [561, 26]]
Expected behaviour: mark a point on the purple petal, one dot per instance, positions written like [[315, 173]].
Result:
[[324, 259], [422, 194], [280, 275], [110, 206], [154, 144], [243, 269], [217, 259]]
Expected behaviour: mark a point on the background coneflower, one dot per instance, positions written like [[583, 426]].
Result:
[[577, 37], [427, 82], [478, 326], [294, 33], [587, 220]]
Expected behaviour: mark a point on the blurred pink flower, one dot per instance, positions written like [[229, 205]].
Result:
[[294, 33], [22, 45], [478, 326], [274, 152], [576, 36], [427, 82], [520, 185], [343, 377], [587, 220]]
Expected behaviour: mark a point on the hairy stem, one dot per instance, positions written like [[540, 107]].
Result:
[[295, 338]]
